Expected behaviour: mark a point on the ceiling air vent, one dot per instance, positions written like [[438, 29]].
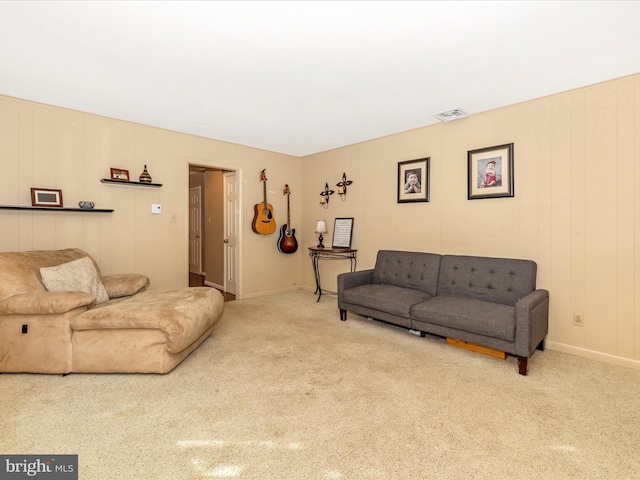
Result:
[[452, 114]]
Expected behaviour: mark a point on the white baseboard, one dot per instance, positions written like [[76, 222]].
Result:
[[593, 355], [214, 285], [272, 292]]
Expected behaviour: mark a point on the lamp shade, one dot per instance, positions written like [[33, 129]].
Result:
[[321, 226]]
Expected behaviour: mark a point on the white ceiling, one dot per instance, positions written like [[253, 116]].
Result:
[[300, 77]]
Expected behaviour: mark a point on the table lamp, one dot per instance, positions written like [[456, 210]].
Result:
[[321, 227]]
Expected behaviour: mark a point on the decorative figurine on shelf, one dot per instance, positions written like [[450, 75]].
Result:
[[85, 204], [144, 176]]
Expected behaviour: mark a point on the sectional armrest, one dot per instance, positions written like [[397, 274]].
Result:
[[532, 321], [354, 279], [124, 284], [44, 303]]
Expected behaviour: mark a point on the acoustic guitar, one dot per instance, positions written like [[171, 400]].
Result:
[[287, 242], [263, 221]]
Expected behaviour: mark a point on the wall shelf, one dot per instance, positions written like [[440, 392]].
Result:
[[56, 209], [126, 182]]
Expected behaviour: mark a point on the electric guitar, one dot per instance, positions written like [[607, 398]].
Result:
[[263, 221], [287, 242]]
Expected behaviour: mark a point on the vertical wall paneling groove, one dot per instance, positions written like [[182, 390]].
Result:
[[558, 170], [601, 221], [636, 215], [625, 219], [578, 221]]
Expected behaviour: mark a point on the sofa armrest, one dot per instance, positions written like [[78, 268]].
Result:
[[124, 284], [354, 279], [350, 280], [532, 321], [44, 303]]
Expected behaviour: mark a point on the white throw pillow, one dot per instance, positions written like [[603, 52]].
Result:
[[76, 276]]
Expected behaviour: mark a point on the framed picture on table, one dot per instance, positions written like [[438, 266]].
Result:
[[342, 232]]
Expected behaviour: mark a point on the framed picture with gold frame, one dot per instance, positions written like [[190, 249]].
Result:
[[119, 174]]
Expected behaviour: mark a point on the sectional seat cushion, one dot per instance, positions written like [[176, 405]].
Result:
[[182, 314]]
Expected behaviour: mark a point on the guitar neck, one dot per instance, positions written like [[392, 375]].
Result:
[[264, 192]]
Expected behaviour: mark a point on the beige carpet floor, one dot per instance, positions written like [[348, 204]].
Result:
[[285, 390]]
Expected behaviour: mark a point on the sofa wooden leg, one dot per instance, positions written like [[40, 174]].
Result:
[[343, 315], [541, 346], [522, 365]]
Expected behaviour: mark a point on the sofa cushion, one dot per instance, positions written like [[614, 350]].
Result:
[[183, 314], [415, 270], [386, 298], [498, 280], [124, 284], [20, 271], [76, 276], [468, 314], [45, 303]]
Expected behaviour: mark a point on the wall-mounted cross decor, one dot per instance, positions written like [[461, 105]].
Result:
[[342, 186], [324, 201]]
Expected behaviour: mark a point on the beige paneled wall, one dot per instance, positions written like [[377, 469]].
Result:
[[575, 210], [50, 147]]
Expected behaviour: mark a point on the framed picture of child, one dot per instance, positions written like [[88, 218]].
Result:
[[413, 180], [490, 172]]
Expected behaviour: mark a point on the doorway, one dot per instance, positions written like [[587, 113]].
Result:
[[213, 230]]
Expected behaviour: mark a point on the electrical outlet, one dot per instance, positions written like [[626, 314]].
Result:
[[578, 319]]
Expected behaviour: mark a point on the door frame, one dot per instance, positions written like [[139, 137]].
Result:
[[196, 162]]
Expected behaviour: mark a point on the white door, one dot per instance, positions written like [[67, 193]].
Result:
[[195, 230], [231, 213]]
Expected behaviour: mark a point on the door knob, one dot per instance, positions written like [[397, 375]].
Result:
[[226, 240]]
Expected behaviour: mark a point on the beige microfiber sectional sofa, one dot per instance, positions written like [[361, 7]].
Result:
[[58, 314]]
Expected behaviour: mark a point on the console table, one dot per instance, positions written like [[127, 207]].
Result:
[[318, 254]]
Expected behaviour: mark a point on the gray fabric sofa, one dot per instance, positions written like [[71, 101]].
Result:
[[491, 302]]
